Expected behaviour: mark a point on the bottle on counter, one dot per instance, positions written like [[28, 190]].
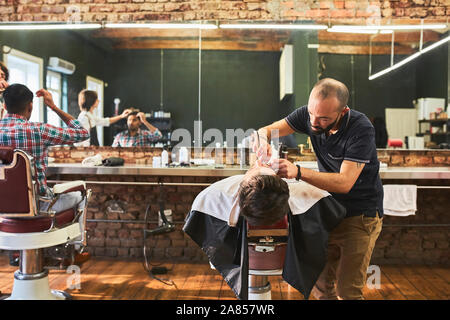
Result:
[[183, 157], [174, 156], [164, 158]]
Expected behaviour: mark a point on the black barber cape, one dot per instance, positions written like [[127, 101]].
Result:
[[227, 249]]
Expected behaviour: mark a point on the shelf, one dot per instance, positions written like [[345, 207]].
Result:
[[156, 119], [433, 120], [436, 134]]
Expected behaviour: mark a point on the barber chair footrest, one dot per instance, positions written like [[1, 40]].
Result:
[[260, 293], [35, 290]]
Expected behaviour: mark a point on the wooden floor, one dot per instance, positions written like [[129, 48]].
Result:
[[119, 280]]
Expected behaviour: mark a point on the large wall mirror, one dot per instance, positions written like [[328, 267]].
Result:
[[228, 78]]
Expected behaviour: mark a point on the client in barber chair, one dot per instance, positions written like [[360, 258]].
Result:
[[35, 138], [219, 215]]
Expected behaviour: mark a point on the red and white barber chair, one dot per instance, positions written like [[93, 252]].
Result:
[[25, 228], [266, 253]]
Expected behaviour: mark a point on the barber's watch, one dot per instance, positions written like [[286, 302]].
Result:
[[299, 173]]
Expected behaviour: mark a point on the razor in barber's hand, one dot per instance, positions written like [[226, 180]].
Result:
[[262, 155]]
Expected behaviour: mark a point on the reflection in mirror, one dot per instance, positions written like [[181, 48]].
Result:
[[229, 79], [163, 84]]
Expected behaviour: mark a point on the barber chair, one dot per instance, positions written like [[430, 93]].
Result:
[[25, 228], [266, 253]]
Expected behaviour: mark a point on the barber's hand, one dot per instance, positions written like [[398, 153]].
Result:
[[284, 168], [48, 99], [125, 113], [3, 85]]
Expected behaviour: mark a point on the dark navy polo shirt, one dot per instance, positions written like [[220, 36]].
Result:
[[354, 141]]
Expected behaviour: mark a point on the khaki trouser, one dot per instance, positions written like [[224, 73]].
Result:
[[350, 247]]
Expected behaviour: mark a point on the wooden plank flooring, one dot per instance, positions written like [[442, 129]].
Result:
[[107, 279]]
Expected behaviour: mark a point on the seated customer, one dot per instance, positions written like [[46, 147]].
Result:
[[219, 215], [34, 137], [134, 136]]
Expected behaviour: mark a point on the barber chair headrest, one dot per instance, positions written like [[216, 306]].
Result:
[[280, 229], [282, 224], [6, 154]]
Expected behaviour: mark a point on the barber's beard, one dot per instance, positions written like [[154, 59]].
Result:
[[318, 130]]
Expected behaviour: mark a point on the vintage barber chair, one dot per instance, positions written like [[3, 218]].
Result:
[[25, 228], [266, 253]]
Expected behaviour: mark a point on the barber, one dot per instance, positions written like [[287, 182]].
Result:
[[88, 101], [344, 144]]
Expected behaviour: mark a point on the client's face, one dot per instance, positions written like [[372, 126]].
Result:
[[259, 169]]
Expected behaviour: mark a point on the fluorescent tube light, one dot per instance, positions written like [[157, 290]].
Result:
[[273, 26], [436, 44], [388, 27], [359, 31], [410, 58], [59, 26], [162, 25], [379, 74]]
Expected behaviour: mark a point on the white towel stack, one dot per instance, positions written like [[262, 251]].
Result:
[[400, 200]]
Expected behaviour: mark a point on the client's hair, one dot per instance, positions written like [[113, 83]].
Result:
[[17, 97], [263, 199], [89, 99], [133, 113]]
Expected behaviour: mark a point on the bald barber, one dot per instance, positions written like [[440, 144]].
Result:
[[344, 144]]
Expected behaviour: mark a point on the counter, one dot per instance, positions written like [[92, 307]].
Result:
[[204, 171]]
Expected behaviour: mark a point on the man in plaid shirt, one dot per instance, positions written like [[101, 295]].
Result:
[[34, 137], [134, 136]]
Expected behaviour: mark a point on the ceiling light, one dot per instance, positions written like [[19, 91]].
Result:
[[162, 25], [410, 58], [388, 27], [359, 31], [53, 26], [273, 26]]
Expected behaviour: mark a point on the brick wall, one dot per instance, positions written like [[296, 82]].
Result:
[[121, 235], [361, 11]]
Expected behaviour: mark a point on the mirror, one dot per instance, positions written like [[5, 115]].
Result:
[[157, 72]]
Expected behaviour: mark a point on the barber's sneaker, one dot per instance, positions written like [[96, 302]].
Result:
[[79, 259]]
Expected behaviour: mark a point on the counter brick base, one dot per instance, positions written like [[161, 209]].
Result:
[[420, 239]]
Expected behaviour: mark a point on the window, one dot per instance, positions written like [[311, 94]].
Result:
[[28, 70], [54, 87], [97, 86]]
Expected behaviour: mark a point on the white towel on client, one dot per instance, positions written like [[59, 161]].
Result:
[[400, 200], [221, 201]]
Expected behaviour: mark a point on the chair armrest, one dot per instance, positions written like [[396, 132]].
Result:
[[69, 187]]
